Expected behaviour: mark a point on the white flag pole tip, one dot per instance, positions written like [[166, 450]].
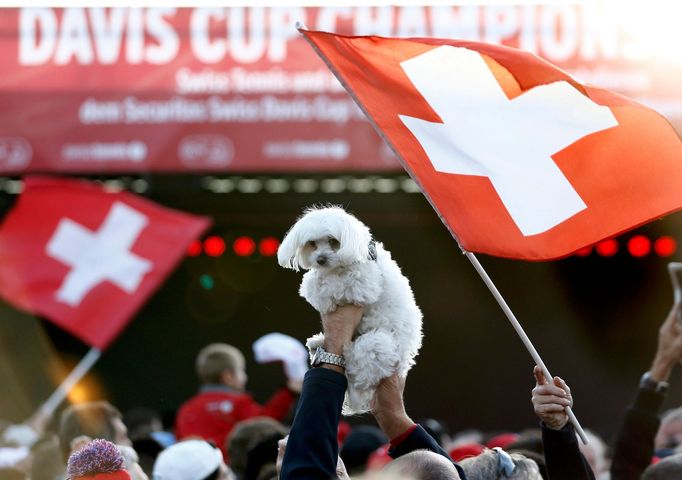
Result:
[[301, 26]]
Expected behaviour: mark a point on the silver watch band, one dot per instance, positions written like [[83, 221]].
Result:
[[321, 356]]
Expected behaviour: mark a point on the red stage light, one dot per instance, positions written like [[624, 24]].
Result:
[[583, 252], [244, 246], [607, 248], [194, 249], [665, 246], [268, 246], [639, 246], [214, 246]]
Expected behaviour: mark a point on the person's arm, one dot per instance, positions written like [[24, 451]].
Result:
[[406, 436], [635, 442], [562, 453], [312, 447]]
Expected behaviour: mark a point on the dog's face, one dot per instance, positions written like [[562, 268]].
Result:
[[325, 238], [321, 253]]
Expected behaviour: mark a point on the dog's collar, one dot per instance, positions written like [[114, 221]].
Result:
[[372, 250]]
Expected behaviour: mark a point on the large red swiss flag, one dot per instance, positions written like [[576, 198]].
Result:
[[87, 259], [518, 158]]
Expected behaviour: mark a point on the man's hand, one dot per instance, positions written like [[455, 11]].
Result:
[[669, 351], [338, 327], [388, 407], [550, 400]]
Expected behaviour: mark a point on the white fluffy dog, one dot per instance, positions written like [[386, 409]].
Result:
[[345, 266]]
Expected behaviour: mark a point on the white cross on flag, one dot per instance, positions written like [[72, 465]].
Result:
[[87, 259], [518, 158]]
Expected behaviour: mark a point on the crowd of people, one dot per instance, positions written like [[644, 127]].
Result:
[[222, 433]]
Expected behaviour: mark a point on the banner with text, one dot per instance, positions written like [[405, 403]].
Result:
[[237, 89]]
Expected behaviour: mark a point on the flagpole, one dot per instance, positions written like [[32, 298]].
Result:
[[522, 334], [79, 371]]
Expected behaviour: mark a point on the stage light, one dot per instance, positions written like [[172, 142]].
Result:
[[268, 246], [639, 246], [214, 246], [583, 252], [244, 246], [665, 246], [607, 248], [194, 249]]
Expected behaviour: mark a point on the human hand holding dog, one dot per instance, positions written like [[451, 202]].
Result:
[[550, 400], [388, 407], [338, 328]]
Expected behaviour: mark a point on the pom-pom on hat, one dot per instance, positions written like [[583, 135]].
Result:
[[97, 460]]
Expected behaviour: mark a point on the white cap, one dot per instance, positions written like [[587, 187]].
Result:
[[188, 460]]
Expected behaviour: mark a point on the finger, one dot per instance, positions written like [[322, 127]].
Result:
[[539, 376], [551, 399], [559, 382], [550, 390], [550, 408]]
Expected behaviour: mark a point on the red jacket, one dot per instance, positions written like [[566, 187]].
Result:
[[213, 413]]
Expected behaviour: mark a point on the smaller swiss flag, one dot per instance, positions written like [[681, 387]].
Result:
[[87, 259]]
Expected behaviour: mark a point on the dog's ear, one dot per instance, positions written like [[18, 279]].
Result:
[[288, 253], [354, 239]]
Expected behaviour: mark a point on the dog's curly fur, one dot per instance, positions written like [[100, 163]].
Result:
[[345, 266]]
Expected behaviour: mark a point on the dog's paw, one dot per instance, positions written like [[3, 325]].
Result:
[[313, 342]]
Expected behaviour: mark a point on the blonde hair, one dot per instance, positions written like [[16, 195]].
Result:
[[216, 358]]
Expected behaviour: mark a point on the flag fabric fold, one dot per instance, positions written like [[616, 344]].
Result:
[[519, 159], [86, 259]]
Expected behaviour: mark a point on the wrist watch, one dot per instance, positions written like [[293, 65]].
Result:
[[321, 356], [652, 385]]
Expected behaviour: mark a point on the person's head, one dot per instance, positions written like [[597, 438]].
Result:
[[670, 432], [191, 460], [222, 364], [98, 458], [497, 464], [362, 441], [422, 465], [92, 419], [141, 421], [246, 435], [669, 468]]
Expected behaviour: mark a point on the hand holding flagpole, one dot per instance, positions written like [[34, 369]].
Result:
[[522, 334]]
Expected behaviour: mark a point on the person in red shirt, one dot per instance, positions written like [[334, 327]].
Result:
[[222, 401]]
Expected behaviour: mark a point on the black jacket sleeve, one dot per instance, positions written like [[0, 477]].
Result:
[[563, 458], [635, 442], [312, 450], [419, 439]]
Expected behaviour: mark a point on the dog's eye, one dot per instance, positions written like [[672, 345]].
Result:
[[310, 243], [334, 243]]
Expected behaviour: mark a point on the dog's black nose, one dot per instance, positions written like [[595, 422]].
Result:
[[321, 260]]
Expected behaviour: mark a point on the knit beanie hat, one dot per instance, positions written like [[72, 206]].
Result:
[[98, 460]]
